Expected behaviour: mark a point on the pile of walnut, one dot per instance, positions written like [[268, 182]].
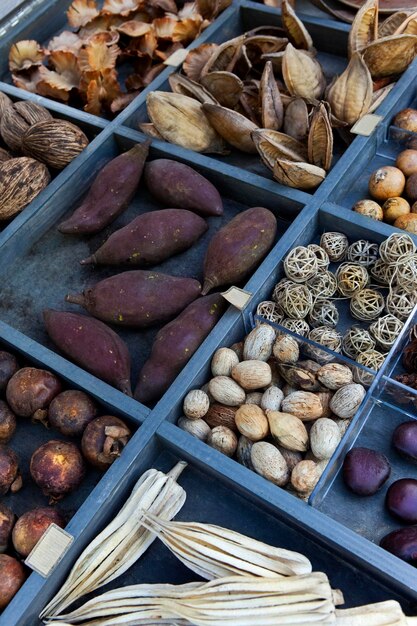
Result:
[[276, 414]]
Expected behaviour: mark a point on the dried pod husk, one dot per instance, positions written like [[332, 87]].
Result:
[[55, 143], [30, 391], [390, 25], [273, 145], [30, 527], [272, 109], [320, 138], [299, 377], [294, 28], [408, 26], [276, 59], [390, 55], [288, 431], [4, 155], [225, 87], [58, 468], [234, 127], [187, 87], [302, 74], [298, 175], [182, 121], [364, 28], [350, 95], [296, 119], [21, 180], [224, 56]]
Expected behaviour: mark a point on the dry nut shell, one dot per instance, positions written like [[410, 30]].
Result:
[[234, 127], [16, 120], [390, 55], [350, 96], [225, 87], [221, 415], [196, 404], [299, 377], [347, 400], [288, 430], [324, 438], [268, 461], [243, 452], [291, 456], [254, 397], [197, 428], [181, 120], [364, 29], [252, 374], [251, 422], [286, 349], [272, 399], [303, 404], [272, 109], [223, 361], [258, 344], [55, 143], [223, 439], [298, 175], [305, 476], [325, 397], [302, 74], [226, 391], [392, 23], [320, 138], [334, 375], [294, 28], [21, 180]]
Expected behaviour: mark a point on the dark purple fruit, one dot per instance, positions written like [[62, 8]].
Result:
[[7, 520], [57, 467], [30, 527], [8, 367], [402, 543], [401, 500], [9, 471], [404, 440], [12, 577], [365, 471], [30, 391], [71, 411], [103, 440], [7, 422]]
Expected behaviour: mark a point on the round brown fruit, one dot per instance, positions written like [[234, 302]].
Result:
[[103, 440], [411, 188], [9, 471], [386, 182], [369, 208], [407, 119], [12, 577], [57, 467], [71, 411], [407, 162], [8, 367], [30, 527], [7, 520], [30, 391], [394, 208], [7, 422], [408, 223]]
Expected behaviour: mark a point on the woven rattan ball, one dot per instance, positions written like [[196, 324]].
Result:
[[367, 305], [323, 260], [324, 285], [395, 246], [325, 336], [296, 301], [335, 244], [281, 286], [406, 272], [383, 272], [363, 252], [269, 311], [300, 264], [357, 340], [400, 302], [386, 330], [351, 278], [296, 326], [373, 360], [323, 313]]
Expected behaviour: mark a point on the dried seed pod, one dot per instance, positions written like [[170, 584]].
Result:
[[7, 521], [30, 391], [369, 208], [350, 95], [30, 527], [294, 28], [258, 344], [55, 143], [234, 127], [302, 74], [252, 374], [187, 87], [272, 109], [390, 55], [226, 391], [325, 397], [251, 422], [222, 439], [391, 23], [334, 375], [288, 430], [298, 175], [223, 361], [273, 145], [272, 398], [285, 349], [17, 118], [347, 400], [196, 404], [324, 438], [224, 86], [303, 404], [224, 57], [21, 180], [305, 476], [320, 138], [296, 119], [197, 428], [364, 28], [268, 461]]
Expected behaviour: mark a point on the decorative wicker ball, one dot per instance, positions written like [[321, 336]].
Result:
[[351, 278], [325, 336], [395, 246], [300, 264], [300, 327], [401, 302], [324, 285], [323, 313], [281, 286], [269, 311], [373, 360], [406, 272], [296, 301], [383, 272], [357, 340], [386, 330], [323, 260], [367, 305], [335, 244], [363, 252]]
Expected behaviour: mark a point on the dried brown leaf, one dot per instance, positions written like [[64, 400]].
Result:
[[25, 54], [98, 57], [133, 28], [108, 38], [81, 12], [67, 72], [197, 59], [99, 24]]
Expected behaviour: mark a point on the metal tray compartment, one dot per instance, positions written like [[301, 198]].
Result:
[[211, 498], [38, 248]]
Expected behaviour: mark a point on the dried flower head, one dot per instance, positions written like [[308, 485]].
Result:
[[25, 54], [81, 12], [197, 59]]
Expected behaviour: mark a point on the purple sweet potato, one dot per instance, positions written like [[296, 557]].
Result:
[[150, 238], [176, 184], [175, 344], [237, 248], [110, 193], [138, 298], [91, 344]]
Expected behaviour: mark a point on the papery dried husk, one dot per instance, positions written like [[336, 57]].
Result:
[[296, 121], [187, 87], [364, 29], [109, 38], [120, 7], [259, 45], [390, 55], [320, 138], [273, 145], [350, 96], [188, 9], [276, 60], [298, 175], [235, 128], [243, 65], [143, 46], [224, 56], [25, 54], [98, 57], [272, 109], [181, 120], [163, 53], [101, 91], [294, 28], [224, 86], [81, 12], [408, 26], [66, 41], [249, 106], [302, 74], [390, 25], [100, 24], [121, 102], [150, 130], [210, 9], [188, 29], [379, 96], [197, 59], [133, 28], [163, 27], [67, 73], [29, 80]]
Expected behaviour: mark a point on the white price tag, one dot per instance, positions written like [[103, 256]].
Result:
[[49, 550], [238, 297], [366, 125], [176, 57]]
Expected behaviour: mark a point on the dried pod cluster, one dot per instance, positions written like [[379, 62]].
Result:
[[265, 92], [274, 411], [82, 63]]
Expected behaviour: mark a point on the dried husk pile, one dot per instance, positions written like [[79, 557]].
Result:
[[265, 92], [80, 66]]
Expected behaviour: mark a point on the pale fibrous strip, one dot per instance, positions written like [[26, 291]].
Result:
[[387, 613], [124, 540], [213, 552]]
